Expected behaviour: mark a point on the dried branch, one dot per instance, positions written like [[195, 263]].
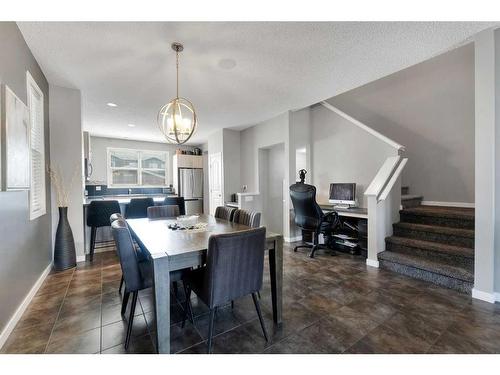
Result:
[[62, 190]]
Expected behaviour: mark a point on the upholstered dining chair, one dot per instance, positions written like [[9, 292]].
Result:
[[98, 216], [157, 212], [136, 272], [138, 208], [176, 201], [225, 213], [234, 269], [249, 218]]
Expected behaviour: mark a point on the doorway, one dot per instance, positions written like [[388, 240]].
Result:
[[271, 179], [215, 181]]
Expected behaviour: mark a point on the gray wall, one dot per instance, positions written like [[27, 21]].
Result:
[[66, 156], [342, 152], [25, 249], [99, 154], [429, 108], [273, 208]]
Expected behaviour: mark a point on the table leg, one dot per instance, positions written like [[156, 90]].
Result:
[[276, 271], [161, 292]]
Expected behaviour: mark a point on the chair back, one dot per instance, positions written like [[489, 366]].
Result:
[[138, 207], [308, 214], [127, 255], [235, 263], [157, 212], [176, 201], [225, 213], [249, 218], [99, 213]]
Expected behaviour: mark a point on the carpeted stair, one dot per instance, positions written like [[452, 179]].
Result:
[[435, 244]]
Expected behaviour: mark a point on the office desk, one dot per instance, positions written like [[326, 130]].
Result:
[[361, 213], [351, 217]]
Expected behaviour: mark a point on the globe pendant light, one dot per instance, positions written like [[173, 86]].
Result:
[[177, 119]]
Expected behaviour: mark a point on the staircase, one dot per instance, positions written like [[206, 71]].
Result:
[[431, 243]]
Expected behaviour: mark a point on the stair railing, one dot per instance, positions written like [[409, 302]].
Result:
[[384, 201]]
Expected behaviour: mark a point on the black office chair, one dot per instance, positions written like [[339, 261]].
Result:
[[234, 269], [250, 218], [310, 217], [225, 213], [136, 272], [138, 208], [98, 215], [176, 201]]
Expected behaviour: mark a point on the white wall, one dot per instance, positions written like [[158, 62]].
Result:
[[487, 158], [429, 108], [99, 146], [275, 175], [231, 162], [342, 152], [66, 148]]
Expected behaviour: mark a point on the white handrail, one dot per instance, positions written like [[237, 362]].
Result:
[[382, 177], [390, 184], [390, 142]]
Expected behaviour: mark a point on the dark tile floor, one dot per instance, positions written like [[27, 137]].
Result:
[[332, 304]]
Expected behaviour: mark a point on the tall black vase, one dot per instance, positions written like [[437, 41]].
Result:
[[64, 249]]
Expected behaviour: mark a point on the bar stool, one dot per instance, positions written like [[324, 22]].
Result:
[[176, 201], [98, 215], [138, 208]]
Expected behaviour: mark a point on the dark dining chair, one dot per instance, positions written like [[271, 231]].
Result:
[[176, 201], [234, 269], [225, 213], [138, 208], [248, 218], [98, 216], [137, 272], [158, 212]]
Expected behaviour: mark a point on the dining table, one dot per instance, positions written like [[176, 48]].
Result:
[[177, 249]]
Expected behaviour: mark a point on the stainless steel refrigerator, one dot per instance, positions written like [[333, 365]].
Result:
[[191, 188]]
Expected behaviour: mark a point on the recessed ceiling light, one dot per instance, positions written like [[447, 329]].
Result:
[[131, 125], [111, 104]]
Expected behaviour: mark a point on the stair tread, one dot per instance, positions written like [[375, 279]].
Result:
[[406, 197], [469, 233], [428, 265], [432, 246], [444, 212]]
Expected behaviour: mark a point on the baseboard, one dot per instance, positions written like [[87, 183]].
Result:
[[485, 296], [292, 239], [11, 324], [448, 204], [80, 258], [372, 263]]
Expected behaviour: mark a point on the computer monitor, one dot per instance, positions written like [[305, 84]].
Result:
[[343, 194]]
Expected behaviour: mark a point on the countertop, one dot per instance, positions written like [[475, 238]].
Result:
[[124, 199]]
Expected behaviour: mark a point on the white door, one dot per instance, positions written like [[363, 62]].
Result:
[[215, 181]]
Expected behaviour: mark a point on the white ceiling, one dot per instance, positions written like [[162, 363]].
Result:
[[279, 66]]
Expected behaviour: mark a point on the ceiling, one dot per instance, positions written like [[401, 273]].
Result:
[[236, 74]]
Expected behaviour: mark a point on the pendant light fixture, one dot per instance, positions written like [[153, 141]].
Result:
[[177, 119]]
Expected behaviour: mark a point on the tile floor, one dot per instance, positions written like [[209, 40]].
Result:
[[332, 304]]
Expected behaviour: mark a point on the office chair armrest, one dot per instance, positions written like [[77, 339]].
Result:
[[333, 218]]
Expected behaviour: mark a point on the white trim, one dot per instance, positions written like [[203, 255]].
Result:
[[366, 128], [390, 184], [80, 258], [383, 176], [11, 324], [32, 85], [372, 263], [485, 296], [292, 239], [448, 204]]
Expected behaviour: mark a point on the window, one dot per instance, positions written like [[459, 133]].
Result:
[[137, 168], [37, 149]]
